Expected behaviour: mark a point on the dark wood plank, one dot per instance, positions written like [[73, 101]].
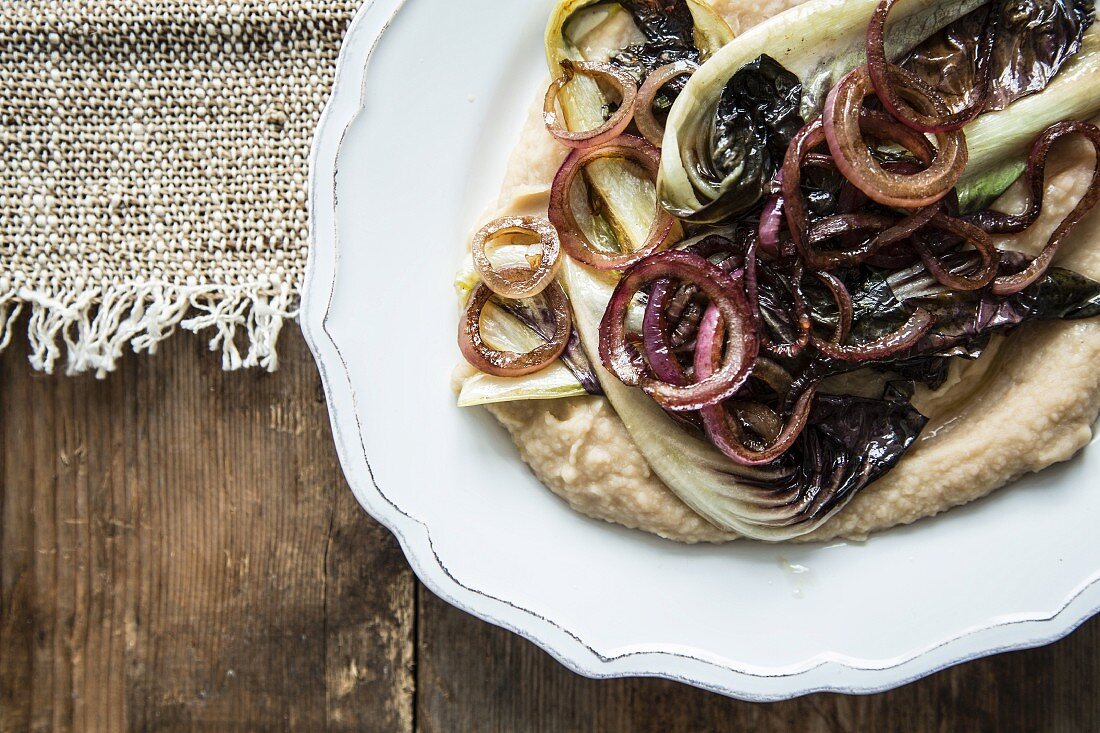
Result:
[[474, 677], [178, 551]]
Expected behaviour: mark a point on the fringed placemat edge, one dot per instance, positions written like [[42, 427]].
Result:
[[91, 327]]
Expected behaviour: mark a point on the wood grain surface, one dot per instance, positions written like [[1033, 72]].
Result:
[[179, 552]]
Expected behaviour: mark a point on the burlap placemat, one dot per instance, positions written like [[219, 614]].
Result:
[[153, 164]]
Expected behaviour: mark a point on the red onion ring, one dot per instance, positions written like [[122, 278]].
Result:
[[651, 129], [887, 231], [773, 375], [536, 279], [727, 438], [882, 72], [765, 421], [771, 219], [725, 296], [509, 363], [723, 432], [843, 305], [904, 338], [841, 122], [799, 153], [656, 344], [790, 179], [977, 238], [801, 316], [1034, 181], [561, 213], [615, 125]]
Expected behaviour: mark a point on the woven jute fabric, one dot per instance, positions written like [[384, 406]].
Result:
[[153, 166]]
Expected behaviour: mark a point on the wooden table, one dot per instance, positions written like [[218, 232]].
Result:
[[178, 551]]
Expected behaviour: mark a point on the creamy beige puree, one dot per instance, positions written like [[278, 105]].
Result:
[[1028, 402]]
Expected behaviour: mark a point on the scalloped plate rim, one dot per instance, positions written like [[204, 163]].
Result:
[[341, 110]]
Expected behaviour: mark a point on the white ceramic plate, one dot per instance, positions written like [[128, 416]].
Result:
[[428, 101]]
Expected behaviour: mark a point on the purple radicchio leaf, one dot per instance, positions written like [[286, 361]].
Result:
[[882, 301], [1035, 38], [847, 444], [535, 315], [757, 115], [1059, 295], [669, 31]]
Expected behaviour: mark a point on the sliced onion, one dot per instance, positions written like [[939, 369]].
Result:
[[799, 153], [509, 363], [651, 129], [573, 240], [726, 297], [790, 180], [531, 282], [977, 238], [765, 421], [771, 219], [615, 125], [801, 317], [1035, 183], [885, 229], [843, 300], [655, 340], [773, 375], [904, 338], [724, 432], [884, 74], [841, 122]]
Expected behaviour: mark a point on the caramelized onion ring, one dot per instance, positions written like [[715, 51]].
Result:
[[655, 340], [843, 300], [726, 435], [794, 207], [1035, 183], [801, 316], [615, 125], [764, 420], [977, 238], [532, 281], [887, 231], [651, 129], [509, 363], [573, 240], [841, 122], [726, 298], [883, 73], [904, 338]]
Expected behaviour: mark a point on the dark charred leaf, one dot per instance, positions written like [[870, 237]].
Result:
[[964, 322], [848, 443], [1035, 38], [1059, 295], [876, 310], [774, 301], [757, 116], [540, 319], [930, 371], [821, 189], [663, 21], [669, 31]]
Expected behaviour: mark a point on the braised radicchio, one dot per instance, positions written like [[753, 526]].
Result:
[[540, 319], [963, 322], [1035, 38], [757, 116], [669, 32], [848, 443]]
